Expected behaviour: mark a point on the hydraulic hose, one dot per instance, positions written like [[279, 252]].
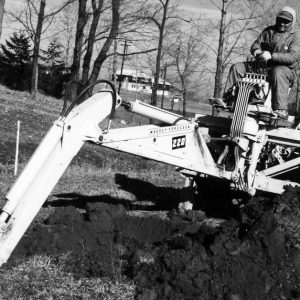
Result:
[[66, 101], [179, 119], [66, 111]]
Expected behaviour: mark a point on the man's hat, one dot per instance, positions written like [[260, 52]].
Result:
[[285, 15]]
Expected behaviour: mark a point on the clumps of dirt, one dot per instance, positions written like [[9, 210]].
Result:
[[102, 238], [255, 255], [87, 235]]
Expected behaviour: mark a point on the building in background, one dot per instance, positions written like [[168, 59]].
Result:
[[136, 81]]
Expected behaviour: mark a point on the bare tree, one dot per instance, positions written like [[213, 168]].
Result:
[[2, 3], [79, 39], [161, 14], [102, 56], [189, 57], [161, 27], [67, 34], [97, 9], [36, 48], [108, 34], [130, 30], [220, 63], [232, 30], [26, 17], [98, 33]]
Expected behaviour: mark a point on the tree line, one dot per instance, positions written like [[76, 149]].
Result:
[[192, 50]]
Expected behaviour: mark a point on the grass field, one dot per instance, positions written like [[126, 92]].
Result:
[[92, 172]]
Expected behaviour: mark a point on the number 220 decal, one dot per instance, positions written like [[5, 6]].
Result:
[[178, 142]]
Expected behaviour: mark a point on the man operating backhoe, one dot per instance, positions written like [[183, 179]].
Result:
[[279, 46]]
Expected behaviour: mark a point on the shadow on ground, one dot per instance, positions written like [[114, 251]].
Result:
[[148, 196]]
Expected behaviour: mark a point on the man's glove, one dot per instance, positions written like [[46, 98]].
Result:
[[257, 53], [265, 56]]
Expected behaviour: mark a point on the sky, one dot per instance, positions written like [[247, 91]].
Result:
[[203, 7], [194, 8]]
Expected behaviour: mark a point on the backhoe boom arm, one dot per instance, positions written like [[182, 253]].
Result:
[[46, 166]]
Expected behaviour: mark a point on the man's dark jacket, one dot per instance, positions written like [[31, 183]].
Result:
[[284, 47]]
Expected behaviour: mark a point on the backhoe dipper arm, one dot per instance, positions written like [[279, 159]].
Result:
[[47, 164]]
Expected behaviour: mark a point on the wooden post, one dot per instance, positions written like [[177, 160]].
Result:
[[17, 148]]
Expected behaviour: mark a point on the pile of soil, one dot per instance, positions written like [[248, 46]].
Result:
[[253, 254], [256, 257]]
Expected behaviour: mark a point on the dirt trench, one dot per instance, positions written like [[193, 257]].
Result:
[[253, 253]]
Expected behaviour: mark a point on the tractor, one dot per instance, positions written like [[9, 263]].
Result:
[[243, 143]]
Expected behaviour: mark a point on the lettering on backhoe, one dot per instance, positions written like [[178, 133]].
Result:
[[170, 129], [178, 142]]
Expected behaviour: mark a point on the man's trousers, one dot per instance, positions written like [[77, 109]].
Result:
[[280, 77]]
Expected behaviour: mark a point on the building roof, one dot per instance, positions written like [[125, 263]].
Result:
[[135, 73]]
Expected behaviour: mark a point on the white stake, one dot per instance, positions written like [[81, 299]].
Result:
[[17, 148]]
